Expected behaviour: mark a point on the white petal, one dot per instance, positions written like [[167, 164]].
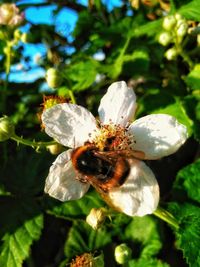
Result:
[[158, 135], [139, 195], [61, 182], [118, 104], [69, 124]]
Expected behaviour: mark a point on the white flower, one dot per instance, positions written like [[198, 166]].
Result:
[[151, 137]]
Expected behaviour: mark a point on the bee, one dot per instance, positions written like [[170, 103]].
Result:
[[103, 169]]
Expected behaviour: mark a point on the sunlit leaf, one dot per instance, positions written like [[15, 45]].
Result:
[[82, 238], [188, 179], [21, 225], [82, 74], [144, 230], [193, 78], [147, 262], [188, 236], [191, 10], [76, 208]]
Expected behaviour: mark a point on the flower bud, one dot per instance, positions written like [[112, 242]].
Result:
[[96, 218], [164, 38], [178, 16], [7, 128], [53, 78], [169, 22], [55, 149], [171, 53], [182, 28], [122, 253]]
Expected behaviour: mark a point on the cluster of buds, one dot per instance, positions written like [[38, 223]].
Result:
[[10, 15], [175, 27]]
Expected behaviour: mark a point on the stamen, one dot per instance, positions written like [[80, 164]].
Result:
[[112, 137]]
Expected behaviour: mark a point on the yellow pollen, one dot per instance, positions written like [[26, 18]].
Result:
[[50, 101], [112, 137], [85, 260]]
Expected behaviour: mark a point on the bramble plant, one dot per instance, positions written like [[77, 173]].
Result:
[[112, 101]]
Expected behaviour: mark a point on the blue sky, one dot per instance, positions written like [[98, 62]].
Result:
[[65, 21]]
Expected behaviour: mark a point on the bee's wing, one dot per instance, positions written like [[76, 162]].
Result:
[[114, 154]]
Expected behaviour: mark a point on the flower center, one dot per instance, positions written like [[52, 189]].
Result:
[[112, 137]]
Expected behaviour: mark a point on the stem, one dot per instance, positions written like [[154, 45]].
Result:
[[187, 59], [71, 94], [33, 143], [180, 48], [7, 71], [167, 217]]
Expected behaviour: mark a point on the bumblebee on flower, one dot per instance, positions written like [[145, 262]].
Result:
[[108, 153]]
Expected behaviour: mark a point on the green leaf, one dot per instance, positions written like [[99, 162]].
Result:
[[162, 102], [138, 61], [150, 29], [82, 238], [188, 179], [191, 105], [188, 235], [82, 74], [26, 179], [147, 262], [145, 231], [78, 208], [191, 10], [193, 78], [21, 224]]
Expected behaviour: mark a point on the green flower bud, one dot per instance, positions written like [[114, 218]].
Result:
[[165, 38], [171, 53], [169, 22], [182, 28], [178, 16], [7, 128], [53, 78], [55, 149], [122, 253]]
